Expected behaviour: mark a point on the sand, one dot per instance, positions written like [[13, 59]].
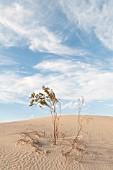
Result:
[[96, 141]]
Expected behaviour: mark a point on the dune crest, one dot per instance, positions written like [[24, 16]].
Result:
[[96, 141]]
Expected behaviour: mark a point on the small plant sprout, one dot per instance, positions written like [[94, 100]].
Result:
[[78, 137], [48, 99], [80, 103]]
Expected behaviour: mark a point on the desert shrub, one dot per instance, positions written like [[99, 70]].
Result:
[[48, 99], [78, 143]]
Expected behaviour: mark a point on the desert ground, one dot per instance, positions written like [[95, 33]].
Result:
[[18, 152]]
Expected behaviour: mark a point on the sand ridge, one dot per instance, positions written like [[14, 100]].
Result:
[[97, 138]]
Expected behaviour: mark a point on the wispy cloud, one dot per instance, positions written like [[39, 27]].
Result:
[[7, 61], [33, 24], [14, 88], [25, 24], [64, 66], [21, 26], [92, 16], [75, 79], [79, 79]]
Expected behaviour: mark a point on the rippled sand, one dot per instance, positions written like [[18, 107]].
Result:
[[97, 143]]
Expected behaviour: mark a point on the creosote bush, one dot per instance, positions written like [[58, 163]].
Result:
[[48, 99]]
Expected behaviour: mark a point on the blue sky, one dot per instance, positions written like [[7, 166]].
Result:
[[65, 45]]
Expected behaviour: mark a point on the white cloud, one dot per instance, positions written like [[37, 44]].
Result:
[[59, 66], [27, 23], [20, 25], [94, 16], [69, 105], [64, 66], [75, 79], [7, 61], [51, 44], [14, 88], [79, 79]]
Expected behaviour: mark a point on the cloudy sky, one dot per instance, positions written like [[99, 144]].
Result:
[[66, 45]]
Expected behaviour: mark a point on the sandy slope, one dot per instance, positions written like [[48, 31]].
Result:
[[97, 143]]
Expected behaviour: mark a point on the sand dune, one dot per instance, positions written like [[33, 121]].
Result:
[[97, 142]]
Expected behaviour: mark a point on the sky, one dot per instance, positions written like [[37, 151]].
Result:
[[66, 45]]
